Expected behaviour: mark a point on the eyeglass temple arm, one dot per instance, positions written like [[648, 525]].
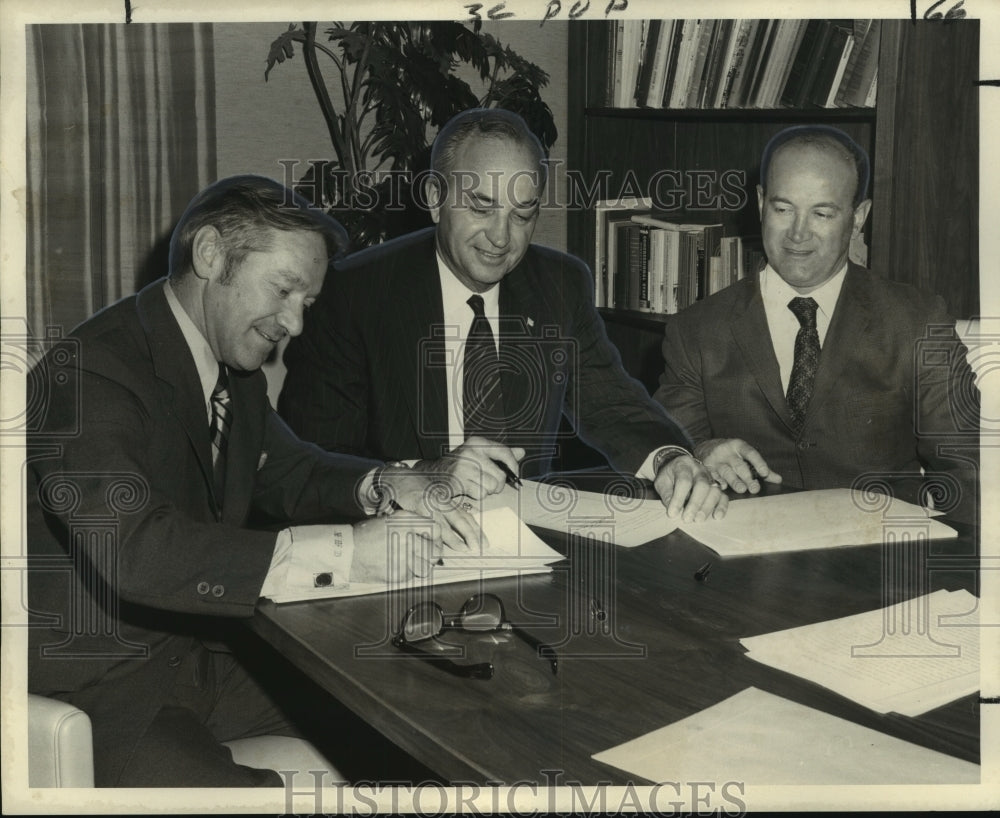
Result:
[[545, 650], [481, 670]]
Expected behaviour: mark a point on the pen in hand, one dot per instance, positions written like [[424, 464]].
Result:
[[702, 573], [512, 479]]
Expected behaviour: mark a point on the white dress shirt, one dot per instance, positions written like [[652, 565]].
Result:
[[301, 553], [458, 317], [781, 321]]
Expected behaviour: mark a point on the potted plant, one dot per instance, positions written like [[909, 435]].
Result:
[[391, 86]]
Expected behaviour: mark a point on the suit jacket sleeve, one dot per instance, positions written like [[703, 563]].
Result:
[[300, 482], [681, 391], [611, 411], [947, 415], [131, 469]]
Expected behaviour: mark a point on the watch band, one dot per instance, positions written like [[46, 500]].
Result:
[[666, 454], [384, 503]]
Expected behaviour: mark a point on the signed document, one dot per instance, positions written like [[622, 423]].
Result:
[[514, 549], [806, 520]]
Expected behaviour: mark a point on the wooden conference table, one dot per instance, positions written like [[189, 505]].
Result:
[[641, 643]]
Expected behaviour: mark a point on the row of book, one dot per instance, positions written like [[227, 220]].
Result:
[[742, 63], [649, 262]]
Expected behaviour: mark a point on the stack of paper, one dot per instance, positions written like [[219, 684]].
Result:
[[801, 521], [620, 518], [908, 658], [757, 738], [514, 549]]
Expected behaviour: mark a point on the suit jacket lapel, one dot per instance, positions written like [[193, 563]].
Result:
[[517, 358], [243, 449], [419, 324], [851, 318], [176, 370], [751, 335]]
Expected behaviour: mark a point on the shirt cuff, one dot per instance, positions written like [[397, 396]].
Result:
[[308, 557], [648, 470]]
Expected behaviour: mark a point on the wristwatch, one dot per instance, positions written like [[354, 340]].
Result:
[[384, 503], [665, 455]]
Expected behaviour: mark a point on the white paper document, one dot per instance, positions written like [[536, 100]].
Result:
[[514, 549], [759, 738], [615, 517], [908, 658], [806, 520]]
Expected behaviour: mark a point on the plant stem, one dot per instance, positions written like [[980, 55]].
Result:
[[351, 116], [325, 104]]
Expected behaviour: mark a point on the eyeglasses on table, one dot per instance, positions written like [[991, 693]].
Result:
[[481, 613]]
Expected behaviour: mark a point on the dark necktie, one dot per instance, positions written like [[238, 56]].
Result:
[[800, 384], [482, 396], [222, 423]]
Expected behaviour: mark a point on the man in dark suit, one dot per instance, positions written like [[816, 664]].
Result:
[[817, 372], [158, 443], [392, 363]]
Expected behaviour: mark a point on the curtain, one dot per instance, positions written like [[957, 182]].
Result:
[[121, 135]]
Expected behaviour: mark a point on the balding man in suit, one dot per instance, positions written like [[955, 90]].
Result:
[[817, 372]]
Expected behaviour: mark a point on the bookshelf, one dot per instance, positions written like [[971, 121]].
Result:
[[922, 135]]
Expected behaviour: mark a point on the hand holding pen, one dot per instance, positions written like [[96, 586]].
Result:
[[478, 467]]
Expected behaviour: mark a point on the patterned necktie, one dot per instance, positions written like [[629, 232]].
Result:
[[221, 424], [800, 384], [482, 395]]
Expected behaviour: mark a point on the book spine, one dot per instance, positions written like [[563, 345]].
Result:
[[622, 267], [855, 87], [718, 55], [657, 79], [631, 56], [796, 28], [737, 59], [619, 41], [695, 83], [675, 51], [646, 66], [685, 62], [643, 302], [760, 70], [831, 64], [831, 98], [794, 90]]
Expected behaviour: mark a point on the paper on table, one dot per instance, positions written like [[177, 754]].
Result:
[[758, 738], [801, 521], [614, 517], [908, 658], [514, 549]]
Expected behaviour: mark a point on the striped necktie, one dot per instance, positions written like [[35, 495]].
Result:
[[222, 423]]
